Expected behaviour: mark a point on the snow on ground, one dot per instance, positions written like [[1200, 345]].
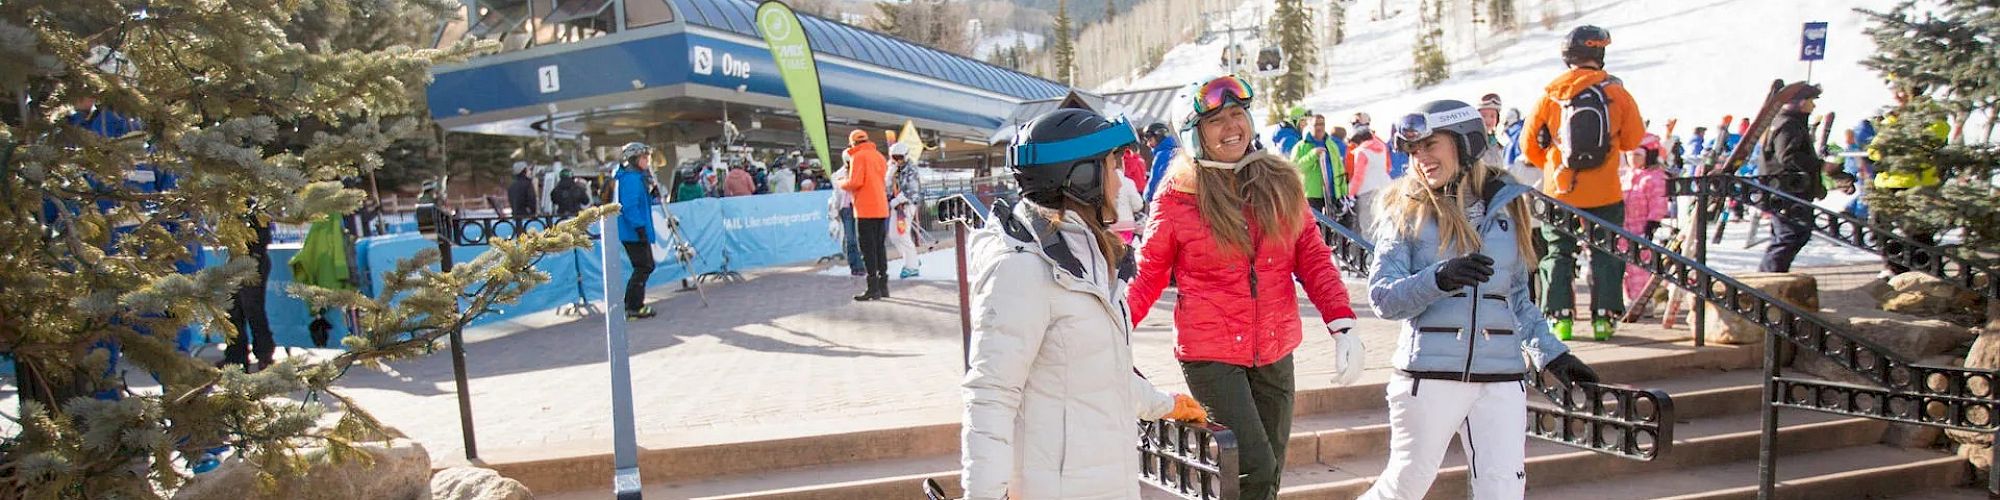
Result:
[[1691, 60]]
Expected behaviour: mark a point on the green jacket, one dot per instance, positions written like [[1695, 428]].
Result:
[[1307, 157], [1889, 178], [322, 260]]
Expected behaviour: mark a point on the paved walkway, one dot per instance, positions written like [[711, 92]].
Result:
[[785, 353]]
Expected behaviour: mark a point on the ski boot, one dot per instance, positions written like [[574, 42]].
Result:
[[907, 273], [1562, 325], [1603, 324], [642, 312]]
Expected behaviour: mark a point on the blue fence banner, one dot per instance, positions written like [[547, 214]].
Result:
[[1812, 42], [740, 233]]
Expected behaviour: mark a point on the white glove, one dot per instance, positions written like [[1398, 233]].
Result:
[[1350, 357]]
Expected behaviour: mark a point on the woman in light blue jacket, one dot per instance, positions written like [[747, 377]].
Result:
[[1452, 262]]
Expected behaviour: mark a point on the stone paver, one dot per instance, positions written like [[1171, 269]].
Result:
[[786, 353]]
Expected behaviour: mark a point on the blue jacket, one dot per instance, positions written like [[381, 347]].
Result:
[[1398, 162], [1286, 137], [1514, 141], [635, 220], [1163, 154], [1402, 286]]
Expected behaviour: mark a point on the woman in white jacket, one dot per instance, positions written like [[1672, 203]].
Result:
[[1052, 402]]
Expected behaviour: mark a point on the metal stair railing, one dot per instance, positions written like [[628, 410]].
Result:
[[1191, 461], [1848, 230], [1909, 392], [1613, 419]]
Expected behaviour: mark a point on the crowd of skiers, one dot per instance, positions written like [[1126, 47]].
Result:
[[1227, 217]]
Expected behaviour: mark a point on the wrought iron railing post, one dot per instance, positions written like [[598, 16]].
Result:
[[447, 237], [1700, 251], [1767, 440], [964, 295]]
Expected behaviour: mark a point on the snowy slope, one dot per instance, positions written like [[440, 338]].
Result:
[[1694, 60], [1004, 40]]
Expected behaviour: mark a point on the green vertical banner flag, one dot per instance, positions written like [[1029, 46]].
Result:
[[792, 52]]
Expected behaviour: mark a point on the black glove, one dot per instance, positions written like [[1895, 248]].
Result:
[[1570, 370], [1464, 271]]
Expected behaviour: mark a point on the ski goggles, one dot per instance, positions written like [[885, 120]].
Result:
[[1415, 127], [1222, 92], [1089, 146]]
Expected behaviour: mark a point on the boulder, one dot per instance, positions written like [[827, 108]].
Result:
[[1979, 455], [475, 483], [1798, 289], [1923, 294], [401, 470], [1985, 354], [1903, 338]]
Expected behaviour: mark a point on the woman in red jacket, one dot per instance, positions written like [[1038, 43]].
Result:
[[1231, 225]]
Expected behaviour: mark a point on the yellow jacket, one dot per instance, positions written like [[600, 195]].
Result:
[[1889, 178]]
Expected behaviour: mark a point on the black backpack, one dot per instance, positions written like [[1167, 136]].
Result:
[[1586, 127]]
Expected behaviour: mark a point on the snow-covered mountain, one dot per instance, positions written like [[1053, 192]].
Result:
[[1691, 60]]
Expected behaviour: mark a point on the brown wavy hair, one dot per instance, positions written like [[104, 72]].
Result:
[[1263, 187]]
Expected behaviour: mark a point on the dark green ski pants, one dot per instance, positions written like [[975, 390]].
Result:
[[1558, 270], [1255, 403]]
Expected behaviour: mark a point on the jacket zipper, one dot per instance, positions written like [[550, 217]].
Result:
[[1471, 335], [1256, 306]]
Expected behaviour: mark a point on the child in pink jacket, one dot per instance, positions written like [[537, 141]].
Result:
[[1645, 206]]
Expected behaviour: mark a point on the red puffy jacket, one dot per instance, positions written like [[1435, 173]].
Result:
[[1219, 317]]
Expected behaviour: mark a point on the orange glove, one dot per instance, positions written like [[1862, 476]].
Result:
[[1186, 409]]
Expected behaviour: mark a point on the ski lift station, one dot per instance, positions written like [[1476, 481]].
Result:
[[684, 75]]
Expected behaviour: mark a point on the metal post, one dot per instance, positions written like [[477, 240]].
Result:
[[625, 482], [1767, 441], [447, 231], [1992, 472], [1700, 251], [964, 297]]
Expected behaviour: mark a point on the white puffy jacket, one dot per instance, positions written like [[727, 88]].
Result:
[[1051, 403]]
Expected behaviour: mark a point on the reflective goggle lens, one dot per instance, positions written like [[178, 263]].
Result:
[[1412, 128], [1222, 92]]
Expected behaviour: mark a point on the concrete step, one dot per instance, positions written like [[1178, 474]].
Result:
[[1713, 440], [1708, 440], [583, 468], [1869, 471], [1700, 393]]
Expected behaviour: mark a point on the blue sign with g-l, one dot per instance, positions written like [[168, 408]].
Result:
[[1812, 43]]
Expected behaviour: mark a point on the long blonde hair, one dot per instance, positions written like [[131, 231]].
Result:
[[1262, 186], [1409, 203]]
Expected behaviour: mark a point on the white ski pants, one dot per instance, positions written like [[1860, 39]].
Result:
[[902, 232], [1489, 418]]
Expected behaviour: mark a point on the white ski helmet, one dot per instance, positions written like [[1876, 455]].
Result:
[[1184, 110], [899, 149]]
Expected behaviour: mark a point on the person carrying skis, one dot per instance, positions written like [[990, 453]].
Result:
[[1452, 263], [1231, 214], [1323, 173], [1792, 164], [1581, 124], [636, 192], [1051, 395]]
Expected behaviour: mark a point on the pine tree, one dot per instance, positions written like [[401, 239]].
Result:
[[1942, 63], [1502, 14], [1065, 49], [89, 263], [1110, 10], [1338, 10], [1430, 66], [1293, 24]]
